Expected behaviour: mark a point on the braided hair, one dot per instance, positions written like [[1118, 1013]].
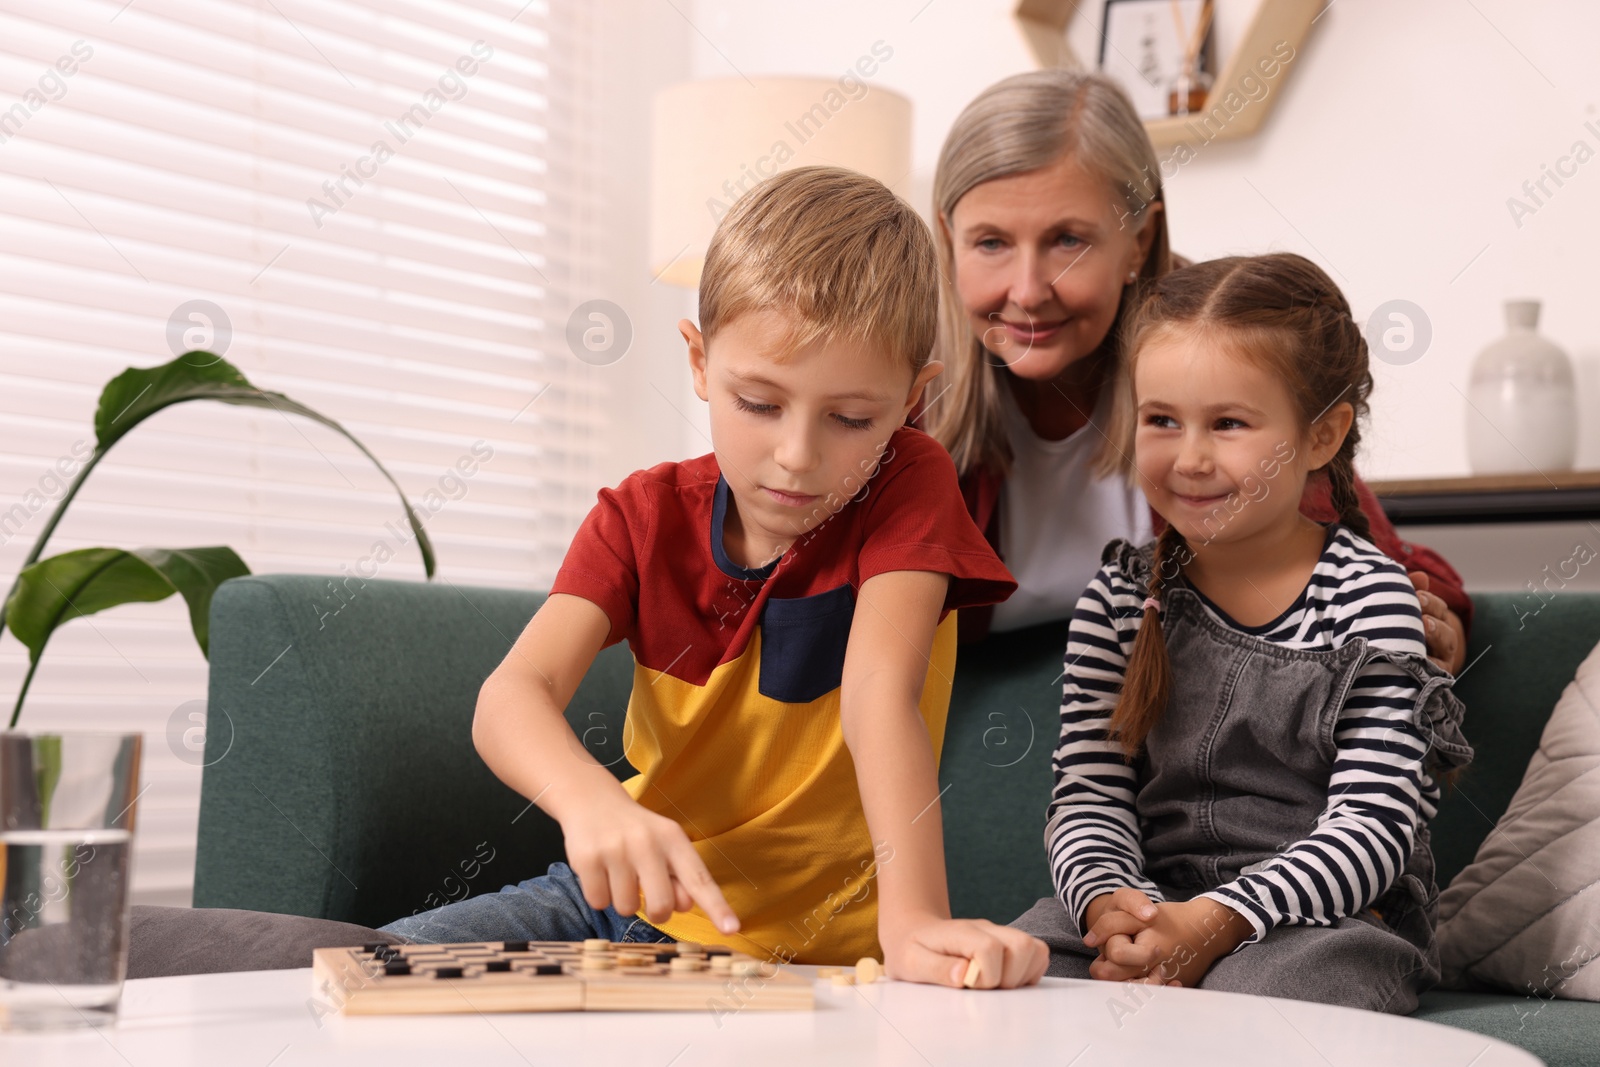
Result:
[[1284, 311]]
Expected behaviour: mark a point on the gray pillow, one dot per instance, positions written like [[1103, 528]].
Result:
[[167, 941], [1525, 916]]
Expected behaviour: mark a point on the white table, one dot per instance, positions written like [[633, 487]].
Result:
[[262, 1018]]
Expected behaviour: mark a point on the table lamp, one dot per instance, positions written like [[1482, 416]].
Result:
[[715, 139]]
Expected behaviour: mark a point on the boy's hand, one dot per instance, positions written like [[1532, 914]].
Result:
[[620, 849], [939, 951], [889, 658]]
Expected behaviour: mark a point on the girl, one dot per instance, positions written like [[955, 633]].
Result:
[[1049, 208], [1250, 725]]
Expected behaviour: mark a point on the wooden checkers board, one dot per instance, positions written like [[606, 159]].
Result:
[[499, 976]]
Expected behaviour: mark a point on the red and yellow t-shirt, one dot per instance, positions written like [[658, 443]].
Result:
[[733, 723]]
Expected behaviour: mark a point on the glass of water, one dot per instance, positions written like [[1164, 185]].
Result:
[[66, 841]]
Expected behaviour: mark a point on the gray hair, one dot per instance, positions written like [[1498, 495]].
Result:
[[1020, 124]]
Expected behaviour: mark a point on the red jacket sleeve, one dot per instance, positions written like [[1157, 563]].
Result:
[[1443, 580]]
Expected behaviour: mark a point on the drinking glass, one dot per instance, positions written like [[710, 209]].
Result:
[[67, 805]]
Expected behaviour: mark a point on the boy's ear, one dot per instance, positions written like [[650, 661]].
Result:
[[697, 355], [928, 373], [1328, 433]]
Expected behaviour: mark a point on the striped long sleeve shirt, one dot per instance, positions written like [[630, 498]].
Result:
[[1379, 787]]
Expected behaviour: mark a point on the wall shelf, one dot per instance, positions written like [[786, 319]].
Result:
[[1557, 497], [1277, 23]]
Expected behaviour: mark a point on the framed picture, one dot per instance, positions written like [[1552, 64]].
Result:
[[1160, 51]]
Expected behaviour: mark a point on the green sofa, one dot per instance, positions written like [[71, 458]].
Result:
[[341, 781]]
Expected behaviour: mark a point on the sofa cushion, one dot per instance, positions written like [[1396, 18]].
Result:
[[167, 941], [994, 771], [342, 782], [1524, 915], [1563, 1033], [1518, 663]]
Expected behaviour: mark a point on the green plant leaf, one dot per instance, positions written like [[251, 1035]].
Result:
[[196, 573], [139, 392], [75, 584]]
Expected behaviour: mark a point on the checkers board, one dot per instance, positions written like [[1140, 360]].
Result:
[[501, 976]]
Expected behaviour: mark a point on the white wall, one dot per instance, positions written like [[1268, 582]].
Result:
[[648, 48], [1401, 132], [1512, 557]]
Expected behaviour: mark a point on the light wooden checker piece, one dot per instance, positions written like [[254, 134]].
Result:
[[507, 976]]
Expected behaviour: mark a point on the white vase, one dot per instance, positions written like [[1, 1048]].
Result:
[[1523, 415]]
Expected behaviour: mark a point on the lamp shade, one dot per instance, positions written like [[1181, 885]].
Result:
[[715, 139]]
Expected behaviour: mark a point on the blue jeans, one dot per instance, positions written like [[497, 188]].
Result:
[[548, 908]]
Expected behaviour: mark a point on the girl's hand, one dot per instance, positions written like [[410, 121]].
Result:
[[940, 951], [1115, 921], [1121, 913], [1177, 948], [618, 849], [1101, 915], [1446, 635]]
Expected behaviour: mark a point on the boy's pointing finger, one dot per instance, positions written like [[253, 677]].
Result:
[[690, 872]]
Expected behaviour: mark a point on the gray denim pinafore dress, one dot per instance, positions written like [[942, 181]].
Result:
[[1237, 771]]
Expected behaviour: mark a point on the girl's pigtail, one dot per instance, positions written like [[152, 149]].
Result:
[[1341, 358], [1342, 482], [1147, 680]]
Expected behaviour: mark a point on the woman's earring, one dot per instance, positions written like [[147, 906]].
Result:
[[1133, 276]]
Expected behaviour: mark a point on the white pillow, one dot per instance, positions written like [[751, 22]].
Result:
[[1526, 914]]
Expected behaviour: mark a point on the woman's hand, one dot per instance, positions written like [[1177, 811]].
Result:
[[1446, 635]]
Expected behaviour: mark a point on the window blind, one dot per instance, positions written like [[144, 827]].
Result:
[[383, 209]]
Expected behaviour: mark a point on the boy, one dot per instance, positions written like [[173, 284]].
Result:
[[789, 602]]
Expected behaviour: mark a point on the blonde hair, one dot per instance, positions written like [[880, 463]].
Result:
[[834, 250], [1286, 314], [1023, 123]]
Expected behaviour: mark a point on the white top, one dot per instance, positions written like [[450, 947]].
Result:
[[254, 1018], [1056, 517]]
